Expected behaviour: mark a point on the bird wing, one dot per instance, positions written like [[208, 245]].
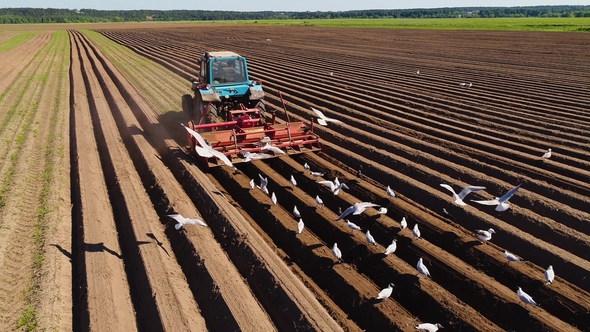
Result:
[[446, 186], [272, 148], [346, 212], [177, 217], [319, 114], [336, 182], [509, 194], [300, 226], [203, 149], [468, 190], [328, 184], [490, 202], [390, 192], [194, 221], [384, 293], [221, 157], [482, 232], [333, 120], [362, 206], [343, 185]]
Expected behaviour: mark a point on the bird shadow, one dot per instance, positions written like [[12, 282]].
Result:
[[470, 244], [99, 247], [153, 237], [62, 250], [314, 246]]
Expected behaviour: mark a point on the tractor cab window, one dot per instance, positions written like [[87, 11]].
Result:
[[228, 71]]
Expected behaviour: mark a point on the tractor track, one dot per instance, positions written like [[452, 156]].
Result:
[[564, 175]]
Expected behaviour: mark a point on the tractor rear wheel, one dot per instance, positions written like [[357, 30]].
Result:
[[199, 108], [262, 108], [187, 106]]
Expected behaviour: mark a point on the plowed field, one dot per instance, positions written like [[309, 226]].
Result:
[[129, 269]]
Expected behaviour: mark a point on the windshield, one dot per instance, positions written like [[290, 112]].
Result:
[[228, 71]]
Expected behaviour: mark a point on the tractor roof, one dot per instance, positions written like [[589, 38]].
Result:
[[223, 54]]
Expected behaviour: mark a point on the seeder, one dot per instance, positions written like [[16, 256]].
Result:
[[246, 136]]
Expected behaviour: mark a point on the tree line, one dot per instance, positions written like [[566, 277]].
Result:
[[53, 15]]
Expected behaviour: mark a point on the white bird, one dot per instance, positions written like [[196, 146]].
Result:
[[466, 191], [293, 181], [205, 150], [252, 185], [416, 231], [356, 209], [502, 202], [273, 198], [352, 226], [391, 248], [334, 187], [422, 268], [270, 147], [300, 226], [319, 200], [511, 257], [336, 252], [331, 74], [385, 293], [403, 224], [549, 274], [485, 235], [249, 156], [317, 174], [469, 85], [382, 210], [268, 40], [322, 119], [547, 154], [263, 184], [429, 327], [526, 298], [370, 238], [305, 167], [185, 221], [417, 72], [389, 192], [296, 213], [462, 84]]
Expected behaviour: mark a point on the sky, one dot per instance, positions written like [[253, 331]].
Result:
[[274, 5]]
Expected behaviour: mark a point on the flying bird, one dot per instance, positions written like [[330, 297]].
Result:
[[417, 72], [273, 198], [296, 213], [416, 231], [547, 154], [263, 184], [422, 268], [205, 150], [549, 274], [318, 200], [370, 238], [385, 293], [485, 235], [466, 191], [391, 248], [356, 209], [322, 119], [185, 221], [502, 202], [336, 252], [352, 226], [293, 181], [389, 192], [317, 174], [334, 187], [526, 298], [429, 327], [403, 224], [300, 226], [511, 257]]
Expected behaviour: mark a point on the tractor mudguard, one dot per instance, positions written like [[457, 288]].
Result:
[[209, 96], [255, 92]]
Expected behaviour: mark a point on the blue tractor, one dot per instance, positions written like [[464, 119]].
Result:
[[222, 86]]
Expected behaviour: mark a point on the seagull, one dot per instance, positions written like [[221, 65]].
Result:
[[269, 147], [317, 174], [417, 72], [416, 231], [305, 167], [300, 226], [205, 150], [252, 184], [391, 248], [296, 212], [429, 327], [422, 268], [549, 274], [389, 192], [334, 187], [352, 226], [339, 210], [336, 252], [382, 210], [185, 221], [263, 184], [268, 40], [322, 119], [403, 224], [469, 85], [459, 198], [319, 200], [462, 84], [273, 198], [485, 235], [293, 181], [356, 209], [547, 154], [370, 238], [385, 293], [526, 298], [511, 257], [249, 156], [502, 202], [331, 74]]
